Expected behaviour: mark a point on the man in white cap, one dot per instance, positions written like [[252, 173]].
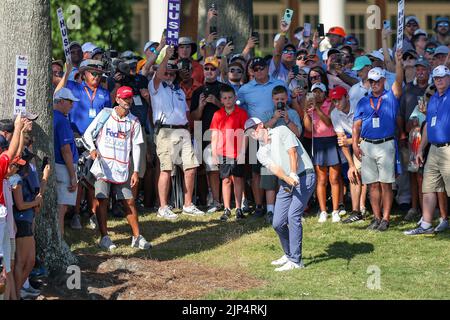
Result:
[[66, 153], [284, 155], [375, 123], [378, 59], [87, 49], [436, 175]]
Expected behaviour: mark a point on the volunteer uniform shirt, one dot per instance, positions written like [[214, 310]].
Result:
[[170, 101], [256, 98], [115, 142], [438, 118], [276, 152], [63, 135], [91, 103], [231, 131], [378, 124]]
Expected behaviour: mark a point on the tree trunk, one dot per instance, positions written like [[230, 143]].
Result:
[[235, 20], [25, 30]]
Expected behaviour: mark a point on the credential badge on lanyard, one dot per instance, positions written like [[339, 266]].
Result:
[[92, 111], [376, 118]]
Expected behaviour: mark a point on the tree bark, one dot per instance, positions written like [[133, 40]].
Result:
[[235, 20], [25, 29]]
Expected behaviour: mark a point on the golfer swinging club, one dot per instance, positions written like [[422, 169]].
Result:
[[284, 155]]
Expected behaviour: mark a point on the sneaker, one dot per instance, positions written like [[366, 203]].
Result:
[[290, 266], [442, 226], [245, 206], [323, 217], [140, 243], [269, 217], [31, 291], [214, 207], [192, 210], [335, 217], [374, 224], [412, 214], [259, 212], [384, 225], [39, 272], [75, 223], [106, 243], [342, 211], [239, 214], [279, 262], [166, 213], [93, 223], [354, 217], [25, 294], [226, 215], [418, 231]]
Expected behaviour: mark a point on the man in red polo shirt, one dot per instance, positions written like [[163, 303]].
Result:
[[228, 149]]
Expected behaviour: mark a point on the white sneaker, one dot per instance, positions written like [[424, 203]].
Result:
[[442, 226], [280, 262], [93, 223], [192, 210], [140, 243], [214, 207], [342, 211], [323, 217], [335, 216], [106, 243], [166, 213], [75, 223], [290, 266]]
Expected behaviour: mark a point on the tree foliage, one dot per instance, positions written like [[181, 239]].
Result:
[[96, 20]]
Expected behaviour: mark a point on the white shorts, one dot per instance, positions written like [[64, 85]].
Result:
[[64, 197], [378, 162]]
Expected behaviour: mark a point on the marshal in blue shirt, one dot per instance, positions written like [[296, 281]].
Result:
[[63, 135], [387, 114], [438, 118], [256, 98], [80, 117]]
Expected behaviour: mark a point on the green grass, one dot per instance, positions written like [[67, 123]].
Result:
[[337, 256]]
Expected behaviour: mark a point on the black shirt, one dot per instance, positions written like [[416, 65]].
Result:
[[210, 108]]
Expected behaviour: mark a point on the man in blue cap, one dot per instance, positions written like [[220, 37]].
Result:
[[441, 29], [66, 154]]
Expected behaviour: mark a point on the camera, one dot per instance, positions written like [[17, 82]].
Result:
[[296, 70], [207, 91], [230, 39], [212, 29], [281, 106]]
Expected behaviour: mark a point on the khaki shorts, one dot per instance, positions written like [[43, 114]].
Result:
[[436, 174], [174, 148], [378, 162], [63, 195]]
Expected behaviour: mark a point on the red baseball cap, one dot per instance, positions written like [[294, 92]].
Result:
[[125, 92], [339, 31], [337, 93]]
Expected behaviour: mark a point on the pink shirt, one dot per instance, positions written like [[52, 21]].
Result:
[[320, 129]]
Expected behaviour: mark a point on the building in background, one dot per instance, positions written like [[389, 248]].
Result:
[[150, 17]]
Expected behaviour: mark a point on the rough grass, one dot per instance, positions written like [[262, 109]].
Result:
[[339, 258]]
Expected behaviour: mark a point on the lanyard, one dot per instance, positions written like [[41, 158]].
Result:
[[91, 98], [378, 105]]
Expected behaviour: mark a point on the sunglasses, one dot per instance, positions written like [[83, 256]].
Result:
[[209, 69], [232, 70], [301, 57], [371, 81], [430, 50], [289, 52], [351, 43], [96, 74], [443, 24], [257, 69]]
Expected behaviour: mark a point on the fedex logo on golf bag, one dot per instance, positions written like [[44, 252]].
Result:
[[118, 134]]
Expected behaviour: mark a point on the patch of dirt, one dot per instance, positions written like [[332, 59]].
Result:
[[118, 278]]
